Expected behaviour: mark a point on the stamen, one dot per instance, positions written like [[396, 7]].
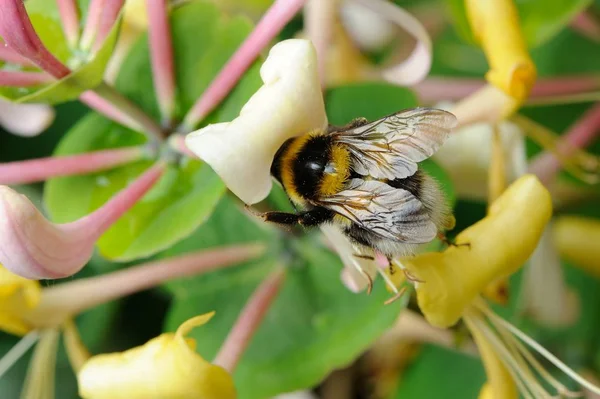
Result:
[[539, 349], [39, 380], [17, 351]]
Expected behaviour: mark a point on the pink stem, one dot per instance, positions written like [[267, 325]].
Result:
[[92, 22], [34, 170], [319, 20], [97, 222], [106, 100], [581, 134], [9, 55], [280, 13], [23, 79], [18, 33], [437, 89], [69, 16], [89, 292], [110, 13], [587, 24], [249, 320], [161, 51]]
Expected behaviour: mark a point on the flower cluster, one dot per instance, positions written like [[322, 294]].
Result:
[[148, 166]]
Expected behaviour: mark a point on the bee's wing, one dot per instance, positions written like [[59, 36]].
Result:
[[389, 212], [391, 147]]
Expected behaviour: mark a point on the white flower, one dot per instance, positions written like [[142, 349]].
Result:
[[467, 153], [289, 104]]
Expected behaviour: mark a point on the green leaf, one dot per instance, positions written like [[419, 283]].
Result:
[[373, 101], [441, 373], [314, 326], [188, 192], [86, 75], [540, 19]]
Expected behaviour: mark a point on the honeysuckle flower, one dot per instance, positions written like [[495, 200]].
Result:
[[470, 171], [499, 244], [18, 296], [289, 103], [165, 367], [34, 247], [577, 240], [25, 119], [552, 303], [38, 313], [370, 30], [495, 25]]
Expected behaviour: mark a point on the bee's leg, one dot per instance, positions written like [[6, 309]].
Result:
[[451, 243], [361, 256], [281, 218]]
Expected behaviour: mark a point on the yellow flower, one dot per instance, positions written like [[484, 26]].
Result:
[[165, 367], [495, 25], [577, 240], [17, 296], [499, 244]]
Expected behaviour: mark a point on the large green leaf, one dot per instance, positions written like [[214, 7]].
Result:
[[315, 325], [540, 20], [188, 192], [87, 73], [441, 373]]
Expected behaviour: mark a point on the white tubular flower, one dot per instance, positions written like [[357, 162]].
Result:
[[289, 103], [467, 153]]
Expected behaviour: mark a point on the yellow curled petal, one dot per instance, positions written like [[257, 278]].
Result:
[[17, 296], [577, 239], [495, 24], [499, 244], [165, 367]]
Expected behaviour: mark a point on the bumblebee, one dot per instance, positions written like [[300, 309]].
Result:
[[364, 178]]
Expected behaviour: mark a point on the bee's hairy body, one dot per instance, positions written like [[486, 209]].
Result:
[[316, 166]]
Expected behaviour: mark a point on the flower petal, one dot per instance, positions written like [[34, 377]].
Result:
[[469, 171], [499, 244], [17, 296], [165, 367], [25, 119], [496, 25], [289, 103], [577, 240]]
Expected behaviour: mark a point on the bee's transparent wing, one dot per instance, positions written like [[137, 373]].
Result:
[[391, 147], [389, 212]]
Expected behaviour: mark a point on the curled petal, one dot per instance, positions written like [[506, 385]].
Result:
[[469, 171], [495, 25], [165, 367], [577, 240], [367, 28], [34, 247], [25, 119], [289, 103], [416, 67], [17, 296], [499, 244]]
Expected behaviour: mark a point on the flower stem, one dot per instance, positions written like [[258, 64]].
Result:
[[92, 23], [280, 13], [105, 99], [23, 79], [18, 33], [34, 170], [436, 89], [17, 351], [97, 222], [9, 55], [546, 165], [319, 20], [249, 320], [60, 301], [177, 143], [588, 25], [110, 13], [161, 52], [69, 16]]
